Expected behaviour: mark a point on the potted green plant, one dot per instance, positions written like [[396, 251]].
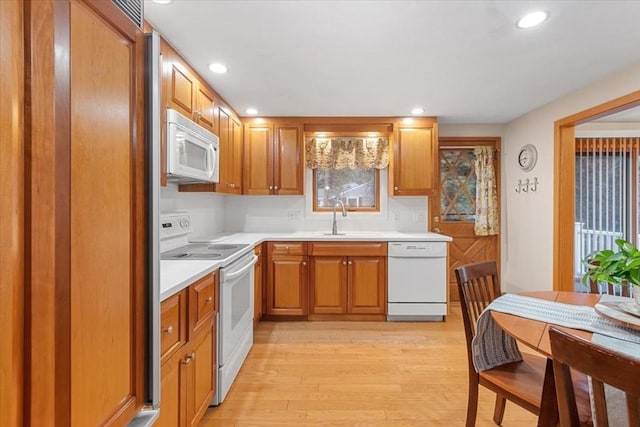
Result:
[[616, 268]]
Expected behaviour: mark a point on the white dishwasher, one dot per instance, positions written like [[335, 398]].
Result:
[[417, 281]]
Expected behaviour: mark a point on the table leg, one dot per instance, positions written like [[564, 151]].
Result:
[[549, 404]]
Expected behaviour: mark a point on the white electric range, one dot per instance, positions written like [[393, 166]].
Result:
[[235, 322]]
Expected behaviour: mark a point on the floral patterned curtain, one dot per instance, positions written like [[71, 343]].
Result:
[[487, 219], [340, 153]]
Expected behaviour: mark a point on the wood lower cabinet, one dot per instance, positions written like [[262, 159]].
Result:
[[348, 278], [414, 158], [287, 283], [189, 366]]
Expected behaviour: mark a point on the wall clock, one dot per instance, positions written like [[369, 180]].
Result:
[[527, 157]]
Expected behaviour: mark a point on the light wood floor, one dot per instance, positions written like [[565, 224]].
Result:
[[357, 374]]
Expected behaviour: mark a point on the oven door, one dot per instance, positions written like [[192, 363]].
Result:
[[236, 304]]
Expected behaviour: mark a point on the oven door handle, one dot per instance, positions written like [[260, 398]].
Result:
[[227, 277]]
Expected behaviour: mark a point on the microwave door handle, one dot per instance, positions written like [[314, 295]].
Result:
[[209, 158]]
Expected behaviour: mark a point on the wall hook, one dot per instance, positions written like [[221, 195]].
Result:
[[534, 186]]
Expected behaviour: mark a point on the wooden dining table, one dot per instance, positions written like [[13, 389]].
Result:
[[535, 334]]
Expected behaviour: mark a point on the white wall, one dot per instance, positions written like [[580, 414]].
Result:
[[206, 209], [528, 236], [290, 213]]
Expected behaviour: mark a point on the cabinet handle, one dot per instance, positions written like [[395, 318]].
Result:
[[395, 188], [232, 185], [208, 300], [350, 262], [304, 262], [436, 230], [169, 330], [275, 187], [197, 114], [271, 187], [344, 262], [187, 360]]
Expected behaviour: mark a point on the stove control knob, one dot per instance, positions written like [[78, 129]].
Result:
[[183, 223], [187, 223]]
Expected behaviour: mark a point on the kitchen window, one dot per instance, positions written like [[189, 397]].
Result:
[[358, 189], [346, 169]]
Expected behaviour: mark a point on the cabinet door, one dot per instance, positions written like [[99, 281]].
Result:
[[258, 159], [413, 161], [235, 170], [181, 87], [202, 374], [367, 288], [171, 414], [288, 153], [328, 285], [106, 234], [205, 108], [287, 287], [257, 301], [226, 152]]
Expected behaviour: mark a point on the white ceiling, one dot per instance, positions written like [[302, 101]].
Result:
[[462, 61]]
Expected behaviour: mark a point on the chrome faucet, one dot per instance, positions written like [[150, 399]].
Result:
[[334, 227]]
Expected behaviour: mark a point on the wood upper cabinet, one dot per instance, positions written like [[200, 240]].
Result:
[[348, 278], [184, 91], [231, 144], [189, 367], [413, 159], [273, 159], [287, 283]]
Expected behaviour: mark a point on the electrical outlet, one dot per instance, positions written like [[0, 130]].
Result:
[[294, 216], [396, 216]]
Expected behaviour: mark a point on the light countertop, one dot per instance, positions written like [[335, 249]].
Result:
[[176, 275]]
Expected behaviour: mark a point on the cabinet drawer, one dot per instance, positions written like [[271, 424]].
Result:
[[202, 300], [172, 324], [348, 248], [288, 248]]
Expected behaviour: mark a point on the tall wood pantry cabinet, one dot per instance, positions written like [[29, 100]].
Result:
[[82, 214]]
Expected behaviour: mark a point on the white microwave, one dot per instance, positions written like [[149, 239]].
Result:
[[192, 151]]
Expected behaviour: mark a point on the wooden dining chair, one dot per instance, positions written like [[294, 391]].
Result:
[[596, 287], [604, 366], [519, 382]]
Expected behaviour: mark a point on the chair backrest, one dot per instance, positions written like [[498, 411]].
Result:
[[604, 366], [596, 287], [478, 285]]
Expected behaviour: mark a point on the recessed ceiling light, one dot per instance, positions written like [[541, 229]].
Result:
[[251, 111], [218, 68], [162, 1], [532, 19], [417, 111]]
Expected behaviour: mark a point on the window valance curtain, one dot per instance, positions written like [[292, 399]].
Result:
[[341, 153]]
